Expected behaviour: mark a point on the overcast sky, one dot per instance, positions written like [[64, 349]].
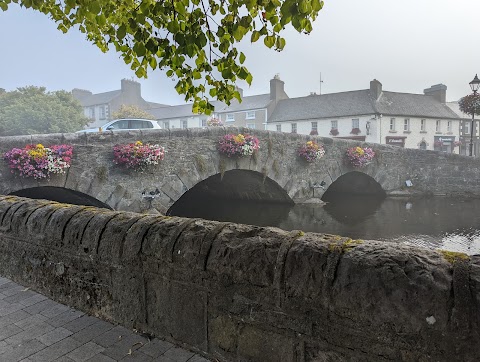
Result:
[[407, 45]]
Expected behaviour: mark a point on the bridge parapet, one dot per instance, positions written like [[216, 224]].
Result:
[[239, 292]]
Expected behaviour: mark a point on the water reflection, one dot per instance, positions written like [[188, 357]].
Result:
[[444, 223]]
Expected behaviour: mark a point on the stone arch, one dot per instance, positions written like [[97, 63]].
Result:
[[61, 194], [354, 183], [238, 184]]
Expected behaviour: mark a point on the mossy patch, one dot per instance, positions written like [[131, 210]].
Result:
[[101, 173], [452, 256], [201, 163], [269, 147], [344, 246], [222, 167], [255, 156], [275, 167]]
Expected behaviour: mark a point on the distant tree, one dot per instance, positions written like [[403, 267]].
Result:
[[470, 104], [131, 111], [31, 110], [194, 41]]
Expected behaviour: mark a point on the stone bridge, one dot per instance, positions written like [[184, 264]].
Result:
[[193, 164]]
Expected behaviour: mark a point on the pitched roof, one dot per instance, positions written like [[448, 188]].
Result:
[[180, 111], [249, 102], [356, 103], [99, 98], [323, 106], [456, 108]]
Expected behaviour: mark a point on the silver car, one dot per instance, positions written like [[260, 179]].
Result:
[[124, 125]]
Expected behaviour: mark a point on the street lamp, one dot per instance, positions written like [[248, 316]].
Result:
[[474, 85]]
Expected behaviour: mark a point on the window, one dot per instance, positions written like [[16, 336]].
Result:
[[184, 123], [334, 124], [392, 124], [102, 112], [466, 128], [423, 144], [166, 124], [422, 125], [279, 128], [251, 125], [123, 124], [438, 126], [355, 123], [203, 123], [294, 128], [449, 126], [406, 125], [250, 115], [91, 112], [314, 126], [134, 124], [230, 117]]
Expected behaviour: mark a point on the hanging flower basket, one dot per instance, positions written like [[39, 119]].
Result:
[[438, 143], [313, 132], [470, 104], [214, 122], [311, 151], [334, 132], [38, 161], [457, 143], [355, 131], [238, 145], [360, 156], [138, 155]]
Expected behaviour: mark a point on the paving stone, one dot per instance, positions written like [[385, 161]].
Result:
[[163, 359], [85, 352], [80, 323], [54, 336], [197, 358], [10, 308], [33, 300], [4, 348], [9, 286], [9, 330], [101, 358], [30, 321], [13, 317], [31, 333], [40, 307], [4, 280], [112, 336], [120, 349], [88, 333], [21, 351], [65, 317], [136, 357], [19, 297], [57, 350], [13, 290], [178, 354], [156, 347], [55, 310], [64, 359]]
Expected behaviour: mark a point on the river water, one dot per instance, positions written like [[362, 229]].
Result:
[[438, 223]]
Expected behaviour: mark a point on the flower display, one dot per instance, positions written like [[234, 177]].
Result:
[[311, 151], [38, 161], [355, 131], [214, 122], [360, 156], [470, 104], [138, 155], [334, 132], [238, 145]]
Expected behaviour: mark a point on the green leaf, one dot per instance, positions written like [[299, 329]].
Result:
[[121, 32], [255, 36], [242, 58], [269, 41]]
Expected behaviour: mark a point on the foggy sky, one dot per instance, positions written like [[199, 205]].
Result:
[[407, 45]]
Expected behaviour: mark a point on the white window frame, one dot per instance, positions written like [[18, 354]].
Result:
[[392, 125], [279, 128], [406, 125], [166, 124], [203, 122], [355, 123], [438, 126], [294, 127], [250, 115], [251, 125], [315, 126], [423, 125], [91, 112], [230, 117], [334, 124], [449, 126], [102, 113], [466, 128], [184, 123]]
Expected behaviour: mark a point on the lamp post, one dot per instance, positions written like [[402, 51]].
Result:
[[474, 85]]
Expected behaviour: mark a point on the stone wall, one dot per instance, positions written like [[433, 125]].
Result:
[[244, 293], [192, 157]]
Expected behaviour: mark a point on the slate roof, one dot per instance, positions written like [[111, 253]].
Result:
[[99, 98], [248, 103], [357, 103], [456, 108], [180, 111]]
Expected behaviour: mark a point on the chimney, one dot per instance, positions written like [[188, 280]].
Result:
[[437, 91], [375, 89], [239, 90], [80, 94], [131, 88], [277, 91]]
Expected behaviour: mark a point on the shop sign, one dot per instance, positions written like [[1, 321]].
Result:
[[395, 141], [446, 140]]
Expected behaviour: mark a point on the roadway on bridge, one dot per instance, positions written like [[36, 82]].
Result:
[[35, 328]]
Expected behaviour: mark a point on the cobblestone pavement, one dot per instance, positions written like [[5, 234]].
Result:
[[34, 328]]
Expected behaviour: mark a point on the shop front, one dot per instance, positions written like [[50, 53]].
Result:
[[444, 143], [395, 141]]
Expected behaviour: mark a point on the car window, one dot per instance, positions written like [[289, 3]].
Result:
[[119, 125], [136, 124]]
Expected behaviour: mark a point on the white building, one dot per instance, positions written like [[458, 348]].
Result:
[[421, 121]]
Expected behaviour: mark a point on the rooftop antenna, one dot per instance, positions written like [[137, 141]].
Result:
[[321, 81]]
